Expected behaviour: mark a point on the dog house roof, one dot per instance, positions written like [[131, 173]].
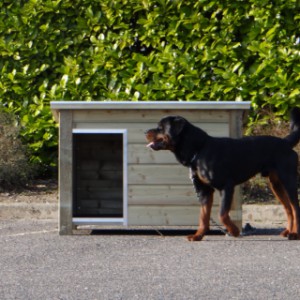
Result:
[[56, 106]]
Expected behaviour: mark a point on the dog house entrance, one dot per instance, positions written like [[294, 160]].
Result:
[[99, 176]]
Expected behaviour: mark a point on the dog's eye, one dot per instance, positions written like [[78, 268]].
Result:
[[160, 128]]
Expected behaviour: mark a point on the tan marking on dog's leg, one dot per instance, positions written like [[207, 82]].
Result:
[[204, 218], [230, 226], [227, 196]]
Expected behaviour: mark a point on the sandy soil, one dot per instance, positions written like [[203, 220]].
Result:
[[41, 191], [39, 200]]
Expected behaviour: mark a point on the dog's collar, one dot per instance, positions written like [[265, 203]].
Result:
[[190, 162]]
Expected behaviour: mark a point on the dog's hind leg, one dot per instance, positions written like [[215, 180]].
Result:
[[227, 195], [285, 182]]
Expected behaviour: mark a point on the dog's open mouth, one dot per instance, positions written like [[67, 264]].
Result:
[[156, 140], [157, 144]]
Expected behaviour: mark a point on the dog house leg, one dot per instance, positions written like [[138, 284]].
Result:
[[65, 173]]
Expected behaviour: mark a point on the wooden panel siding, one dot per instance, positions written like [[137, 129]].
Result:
[[136, 130], [171, 215], [165, 194], [175, 215], [140, 154], [158, 174], [146, 116]]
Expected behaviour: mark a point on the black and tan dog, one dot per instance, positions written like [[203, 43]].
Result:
[[222, 163]]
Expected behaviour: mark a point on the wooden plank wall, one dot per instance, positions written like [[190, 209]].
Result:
[[159, 189]]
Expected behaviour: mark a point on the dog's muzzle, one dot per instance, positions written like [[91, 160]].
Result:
[[156, 142]]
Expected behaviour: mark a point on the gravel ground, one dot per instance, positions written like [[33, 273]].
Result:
[[37, 263]]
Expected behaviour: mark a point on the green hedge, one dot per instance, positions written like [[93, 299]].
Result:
[[144, 50]]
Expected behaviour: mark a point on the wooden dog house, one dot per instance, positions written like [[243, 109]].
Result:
[[108, 176]]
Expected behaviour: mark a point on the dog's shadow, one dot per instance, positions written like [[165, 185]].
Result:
[[181, 232]]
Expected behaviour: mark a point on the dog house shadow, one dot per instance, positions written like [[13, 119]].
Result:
[[150, 232], [181, 232]]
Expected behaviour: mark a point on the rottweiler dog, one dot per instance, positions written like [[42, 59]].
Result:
[[221, 163]]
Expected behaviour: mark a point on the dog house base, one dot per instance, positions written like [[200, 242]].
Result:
[[107, 176]]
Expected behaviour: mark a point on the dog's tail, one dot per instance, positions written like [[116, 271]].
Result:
[[294, 137]]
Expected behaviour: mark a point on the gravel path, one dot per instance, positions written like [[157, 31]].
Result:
[[37, 263]]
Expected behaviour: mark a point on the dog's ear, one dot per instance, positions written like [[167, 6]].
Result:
[[178, 125]]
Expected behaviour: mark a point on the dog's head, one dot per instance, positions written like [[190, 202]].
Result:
[[165, 135]]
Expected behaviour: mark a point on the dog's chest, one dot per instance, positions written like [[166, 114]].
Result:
[[199, 166], [203, 176], [204, 170]]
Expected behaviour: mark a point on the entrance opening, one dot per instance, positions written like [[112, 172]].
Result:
[[99, 176]]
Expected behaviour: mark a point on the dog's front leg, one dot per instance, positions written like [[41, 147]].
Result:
[[201, 189], [227, 196], [204, 218], [205, 196]]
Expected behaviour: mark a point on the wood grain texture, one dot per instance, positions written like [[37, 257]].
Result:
[[169, 215], [148, 116], [65, 171]]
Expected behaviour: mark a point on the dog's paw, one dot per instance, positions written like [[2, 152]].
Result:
[[293, 236], [234, 231], [195, 237], [285, 233]]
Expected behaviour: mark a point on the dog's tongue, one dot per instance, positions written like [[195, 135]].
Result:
[[150, 144]]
